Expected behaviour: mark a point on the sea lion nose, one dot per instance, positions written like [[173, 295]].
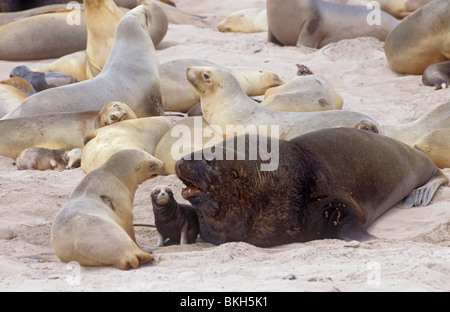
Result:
[[113, 117]]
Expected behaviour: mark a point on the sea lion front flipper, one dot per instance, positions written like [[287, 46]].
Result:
[[184, 235], [343, 222], [424, 194], [161, 240]]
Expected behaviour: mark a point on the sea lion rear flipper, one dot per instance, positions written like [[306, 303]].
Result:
[[350, 231], [424, 194]]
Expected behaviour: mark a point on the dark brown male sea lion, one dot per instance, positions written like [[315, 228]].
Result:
[[331, 183]]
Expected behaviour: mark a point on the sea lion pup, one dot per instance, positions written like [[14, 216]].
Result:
[[141, 133], [132, 65], [437, 75], [42, 36], [184, 137], [173, 220], [95, 225], [246, 21], [411, 132], [436, 145], [307, 192], [57, 131], [307, 93], [316, 23], [74, 158], [42, 81], [179, 95], [420, 40], [39, 158], [225, 105]]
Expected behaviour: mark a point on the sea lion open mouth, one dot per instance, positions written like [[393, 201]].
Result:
[[190, 191]]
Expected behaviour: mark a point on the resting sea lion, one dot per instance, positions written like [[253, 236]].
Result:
[[42, 81], [175, 221], [130, 75], [102, 19], [225, 104], [316, 23], [43, 36], [39, 158], [246, 21], [411, 132], [436, 145], [95, 225], [437, 75], [8, 17], [319, 189], [178, 95], [142, 133], [309, 93], [57, 131], [420, 40]]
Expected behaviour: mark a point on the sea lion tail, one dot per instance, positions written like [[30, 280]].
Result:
[[424, 194]]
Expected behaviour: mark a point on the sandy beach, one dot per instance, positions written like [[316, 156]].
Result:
[[412, 249]]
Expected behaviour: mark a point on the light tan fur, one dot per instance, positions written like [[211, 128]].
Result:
[[247, 21], [130, 76], [436, 145], [179, 95], [310, 93], [224, 103], [420, 40], [95, 225], [56, 131], [142, 133]]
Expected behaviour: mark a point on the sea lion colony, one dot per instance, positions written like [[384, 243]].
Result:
[[318, 194]]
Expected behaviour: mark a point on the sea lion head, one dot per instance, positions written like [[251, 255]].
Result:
[[114, 112], [142, 13], [161, 195], [20, 71], [133, 166], [228, 193], [211, 80]]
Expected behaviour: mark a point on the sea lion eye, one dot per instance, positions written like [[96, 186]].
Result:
[[235, 174], [206, 76]]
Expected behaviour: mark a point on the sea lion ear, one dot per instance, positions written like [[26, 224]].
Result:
[[137, 167]]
